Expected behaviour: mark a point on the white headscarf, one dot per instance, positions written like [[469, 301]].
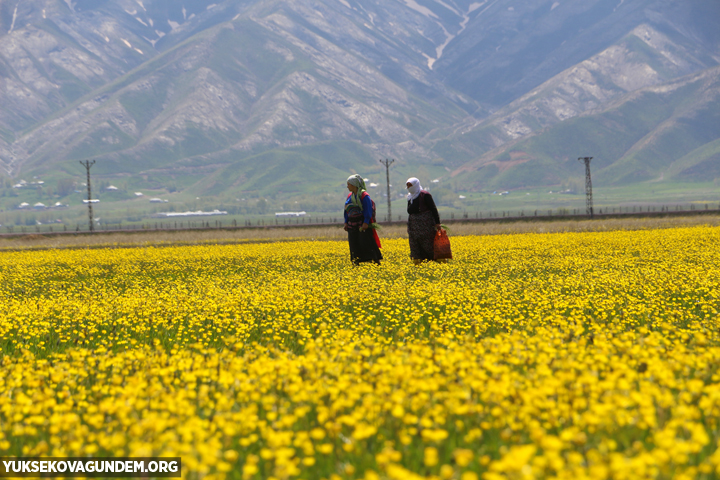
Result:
[[414, 189]]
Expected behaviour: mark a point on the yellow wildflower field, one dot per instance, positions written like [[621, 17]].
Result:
[[576, 355]]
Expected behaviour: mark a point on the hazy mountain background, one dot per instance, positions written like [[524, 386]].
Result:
[[265, 103]]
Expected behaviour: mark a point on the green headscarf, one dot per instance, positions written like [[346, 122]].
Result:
[[355, 198]]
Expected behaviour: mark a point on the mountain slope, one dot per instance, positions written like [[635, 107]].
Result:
[[655, 133], [219, 98], [508, 49], [642, 58], [229, 92]]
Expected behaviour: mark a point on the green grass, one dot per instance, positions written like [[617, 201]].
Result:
[[703, 163]]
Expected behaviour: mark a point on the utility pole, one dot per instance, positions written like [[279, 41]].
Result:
[[588, 186], [87, 164], [387, 162]]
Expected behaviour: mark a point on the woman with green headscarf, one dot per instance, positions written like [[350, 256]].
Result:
[[359, 220]]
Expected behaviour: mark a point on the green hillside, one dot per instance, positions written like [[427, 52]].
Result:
[[656, 133], [307, 169], [701, 164]]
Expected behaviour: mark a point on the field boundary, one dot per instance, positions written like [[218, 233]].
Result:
[[29, 231]]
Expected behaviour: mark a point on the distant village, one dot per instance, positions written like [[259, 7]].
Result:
[[79, 188], [40, 206]]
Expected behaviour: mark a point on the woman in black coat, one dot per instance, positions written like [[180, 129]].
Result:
[[423, 221]]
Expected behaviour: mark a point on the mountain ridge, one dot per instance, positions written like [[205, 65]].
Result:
[[194, 97], [658, 111]]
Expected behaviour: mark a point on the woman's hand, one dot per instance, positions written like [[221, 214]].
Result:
[[364, 227]]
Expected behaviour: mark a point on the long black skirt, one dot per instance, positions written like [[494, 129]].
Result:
[[421, 233], [363, 247]]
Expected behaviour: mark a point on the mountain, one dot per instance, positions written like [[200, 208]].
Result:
[[508, 49], [263, 79], [662, 132], [283, 98], [643, 57]]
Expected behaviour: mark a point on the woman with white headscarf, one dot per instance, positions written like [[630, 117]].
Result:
[[359, 222], [423, 221]]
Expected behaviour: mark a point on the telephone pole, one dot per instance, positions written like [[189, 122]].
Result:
[[87, 164], [588, 186], [387, 162]]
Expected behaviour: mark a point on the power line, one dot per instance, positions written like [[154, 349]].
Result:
[[588, 186], [387, 162], [87, 164]]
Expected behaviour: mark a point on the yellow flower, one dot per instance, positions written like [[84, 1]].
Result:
[[430, 456], [529, 355], [325, 448], [463, 456]]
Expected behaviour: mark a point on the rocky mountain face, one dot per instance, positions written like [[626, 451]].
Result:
[[643, 58], [228, 96], [659, 132]]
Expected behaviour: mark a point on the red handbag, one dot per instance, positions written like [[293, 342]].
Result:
[[441, 245]]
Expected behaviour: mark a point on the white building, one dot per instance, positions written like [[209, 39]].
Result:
[[290, 214], [198, 213]]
